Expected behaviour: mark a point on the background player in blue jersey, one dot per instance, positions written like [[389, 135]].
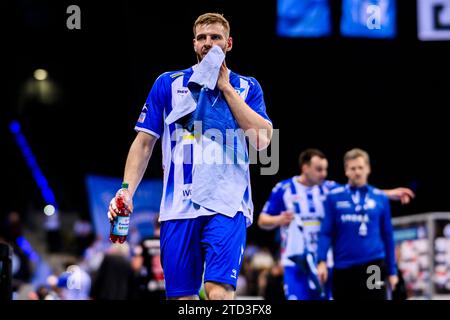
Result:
[[358, 227], [296, 205], [197, 241]]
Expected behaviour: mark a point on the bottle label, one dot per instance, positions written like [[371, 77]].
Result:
[[121, 226]]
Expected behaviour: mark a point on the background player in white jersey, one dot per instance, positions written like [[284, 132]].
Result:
[[296, 205], [199, 241]]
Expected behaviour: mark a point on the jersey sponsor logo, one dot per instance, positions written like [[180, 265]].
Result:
[[233, 274], [343, 204], [187, 193], [182, 91], [359, 218]]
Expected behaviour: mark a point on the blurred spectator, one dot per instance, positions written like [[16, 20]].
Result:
[[5, 271], [241, 286], [273, 284], [250, 250], [114, 279], [11, 227], [43, 292], [21, 267], [48, 291], [259, 261], [84, 235], [93, 255], [251, 277], [11, 233], [262, 260], [133, 236], [399, 292], [147, 265], [52, 227], [75, 282]]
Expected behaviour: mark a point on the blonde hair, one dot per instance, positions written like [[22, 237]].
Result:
[[210, 18], [356, 153]]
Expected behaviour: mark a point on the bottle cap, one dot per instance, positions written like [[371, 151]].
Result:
[[125, 185]]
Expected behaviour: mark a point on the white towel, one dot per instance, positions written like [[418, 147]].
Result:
[[207, 71], [205, 74]]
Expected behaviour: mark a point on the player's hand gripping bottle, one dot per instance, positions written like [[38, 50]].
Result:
[[120, 224]]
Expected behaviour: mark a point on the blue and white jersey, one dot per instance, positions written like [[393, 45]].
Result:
[[179, 147], [307, 204]]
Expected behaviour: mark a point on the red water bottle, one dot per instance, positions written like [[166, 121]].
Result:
[[120, 224]]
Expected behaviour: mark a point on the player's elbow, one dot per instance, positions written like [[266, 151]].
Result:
[[260, 222], [263, 223], [145, 142]]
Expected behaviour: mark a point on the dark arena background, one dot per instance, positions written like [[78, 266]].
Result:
[[388, 96]]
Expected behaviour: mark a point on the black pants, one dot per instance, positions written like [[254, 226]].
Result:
[[358, 282]]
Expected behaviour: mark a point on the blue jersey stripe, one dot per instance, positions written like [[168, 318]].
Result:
[[311, 205], [187, 163], [170, 179], [295, 203]]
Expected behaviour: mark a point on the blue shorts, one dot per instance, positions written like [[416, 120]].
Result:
[[213, 244], [296, 286]]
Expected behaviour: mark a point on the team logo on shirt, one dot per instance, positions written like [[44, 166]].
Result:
[[371, 204], [239, 90]]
